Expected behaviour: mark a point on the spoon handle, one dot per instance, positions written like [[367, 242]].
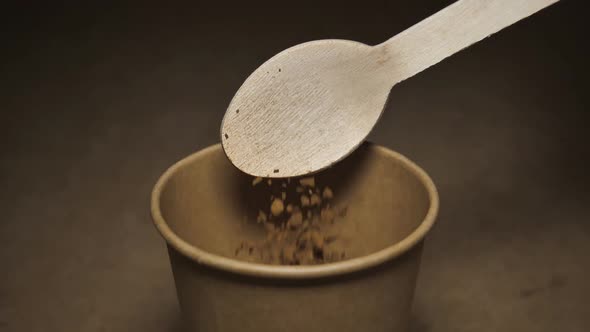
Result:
[[452, 29]]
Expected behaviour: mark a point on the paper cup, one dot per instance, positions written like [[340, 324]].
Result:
[[203, 208]]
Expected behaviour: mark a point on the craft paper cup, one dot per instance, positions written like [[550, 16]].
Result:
[[199, 206]]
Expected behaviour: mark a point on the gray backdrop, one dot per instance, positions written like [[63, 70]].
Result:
[[98, 100]]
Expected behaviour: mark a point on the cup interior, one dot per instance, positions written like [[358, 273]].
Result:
[[210, 205]]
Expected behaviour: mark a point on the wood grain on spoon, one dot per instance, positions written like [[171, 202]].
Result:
[[313, 104]]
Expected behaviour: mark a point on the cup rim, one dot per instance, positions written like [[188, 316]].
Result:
[[235, 266]]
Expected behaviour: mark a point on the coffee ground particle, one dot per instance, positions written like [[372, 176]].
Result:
[[296, 230]]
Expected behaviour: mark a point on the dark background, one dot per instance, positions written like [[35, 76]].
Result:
[[97, 100]]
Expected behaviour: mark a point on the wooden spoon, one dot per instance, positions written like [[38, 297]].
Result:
[[313, 104]]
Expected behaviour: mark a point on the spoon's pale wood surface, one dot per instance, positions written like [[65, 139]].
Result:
[[313, 104]]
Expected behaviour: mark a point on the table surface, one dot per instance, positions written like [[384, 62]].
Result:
[[98, 101]]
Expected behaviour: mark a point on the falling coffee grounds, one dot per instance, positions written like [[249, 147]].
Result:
[[299, 225]]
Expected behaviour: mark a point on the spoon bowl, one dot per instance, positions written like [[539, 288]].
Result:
[[306, 109]]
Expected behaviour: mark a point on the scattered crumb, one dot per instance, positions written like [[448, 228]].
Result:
[[327, 194], [315, 200], [307, 182], [277, 207], [299, 231], [261, 216], [305, 202], [295, 220]]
